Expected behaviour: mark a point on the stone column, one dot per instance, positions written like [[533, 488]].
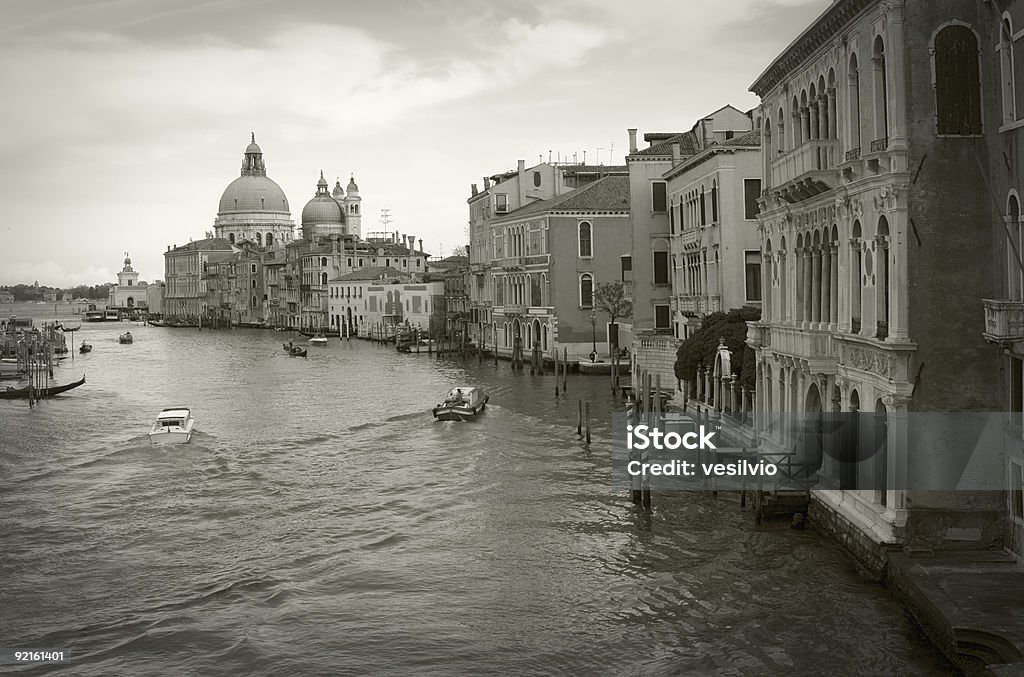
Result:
[[743, 404], [798, 313], [814, 120], [834, 285], [900, 288], [808, 284], [833, 132], [826, 284], [815, 284], [897, 447], [805, 123], [797, 130], [766, 287]]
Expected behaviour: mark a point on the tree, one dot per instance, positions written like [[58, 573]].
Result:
[[461, 250], [702, 345], [610, 299]]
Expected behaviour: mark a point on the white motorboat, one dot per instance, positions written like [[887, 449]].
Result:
[[461, 404], [318, 341], [172, 425]]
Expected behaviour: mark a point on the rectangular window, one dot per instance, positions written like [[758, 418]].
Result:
[[1017, 489], [660, 267], [672, 220], [627, 267], [661, 317], [752, 272], [501, 203], [751, 192], [659, 198]]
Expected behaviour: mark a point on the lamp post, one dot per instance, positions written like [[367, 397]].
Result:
[[593, 328]]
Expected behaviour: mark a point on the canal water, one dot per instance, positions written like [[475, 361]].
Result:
[[322, 523]]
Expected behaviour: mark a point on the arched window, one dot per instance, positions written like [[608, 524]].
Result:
[[323, 261], [782, 131], [854, 98], [259, 239], [882, 278], [253, 301], [253, 284], [586, 290], [957, 82], [714, 202], [1006, 70], [323, 278], [1016, 275], [586, 244], [269, 239], [881, 96], [231, 238], [857, 278]]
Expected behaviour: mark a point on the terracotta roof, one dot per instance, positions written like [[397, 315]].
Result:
[[594, 169], [687, 145], [609, 194], [751, 138], [209, 244]]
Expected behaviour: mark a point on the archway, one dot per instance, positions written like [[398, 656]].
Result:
[[880, 458], [812, 429]]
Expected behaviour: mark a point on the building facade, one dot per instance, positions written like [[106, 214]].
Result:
[[381, 299], [185, 293], [864, 313], [128, 294]]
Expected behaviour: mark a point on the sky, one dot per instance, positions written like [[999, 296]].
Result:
[[124, 120]]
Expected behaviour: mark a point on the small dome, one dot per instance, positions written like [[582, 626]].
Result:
[[352, 185], [253, 148], [339, 192], [322, 183], [322, 211], [127, 261]]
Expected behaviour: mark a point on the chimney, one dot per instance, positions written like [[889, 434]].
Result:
[[677, 155], [421, 244], [487, 183], [632, 140], [522, 166], [473, 190]]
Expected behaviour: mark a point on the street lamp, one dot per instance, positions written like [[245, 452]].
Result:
[[593, 327]]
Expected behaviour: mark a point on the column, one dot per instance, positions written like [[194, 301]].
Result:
[[797, 129], [814, 120], [805, 123], [815, 284], [834, 285], [798, 314], [823, 116], [783, 405], [766, 287], [826, 284], [808, 284], [897, 447], [898, 285], [833, 123]]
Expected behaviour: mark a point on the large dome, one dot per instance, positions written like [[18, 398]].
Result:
[[322, 210], [253, 193]]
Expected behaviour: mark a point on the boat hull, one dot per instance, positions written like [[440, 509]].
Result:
[[460, 412], [23, 393], [171, 437]]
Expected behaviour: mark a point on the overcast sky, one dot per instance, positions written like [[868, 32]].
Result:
[[124, 120]]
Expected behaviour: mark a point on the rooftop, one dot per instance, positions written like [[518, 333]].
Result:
[[610, 194]]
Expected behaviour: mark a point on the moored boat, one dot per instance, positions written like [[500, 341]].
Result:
[[22, 393], [125, 337], [318, 341], [173, 424], [461, 404]]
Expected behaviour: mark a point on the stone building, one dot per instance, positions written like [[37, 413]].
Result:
[[253, 206], [503, 194], [877, 245], [545, 261], [1004, 308], [647, 267], [381, 298], [185, 270], [129, 294]]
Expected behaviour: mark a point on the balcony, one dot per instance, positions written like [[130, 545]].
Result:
[[817, 347], [696, 306], [880, 145], [514, 309], [853, 154], [758, 334], [627, 289], [1004, 321], [690, 239], [817, 155]]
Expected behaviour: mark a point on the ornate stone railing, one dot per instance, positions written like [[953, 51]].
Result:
[[1004, 320], [810, 156], [853, 154], [879, 145]]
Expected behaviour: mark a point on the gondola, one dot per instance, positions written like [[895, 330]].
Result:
[[125, 337], [85, 348], [45, 391], [294, 351]]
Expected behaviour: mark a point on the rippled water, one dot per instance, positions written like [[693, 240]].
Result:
[[322, 523]]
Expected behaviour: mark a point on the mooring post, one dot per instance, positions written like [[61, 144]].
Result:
[[565, 370], [586, 409], [556, 373], [579, 417]]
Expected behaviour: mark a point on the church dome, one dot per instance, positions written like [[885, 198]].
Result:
[[322, 209], [352, 187], [253, 148], [253, 193], [339, 192]]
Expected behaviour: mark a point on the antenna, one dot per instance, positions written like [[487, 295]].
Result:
[[385, 217], [611, 154], [599, 156]]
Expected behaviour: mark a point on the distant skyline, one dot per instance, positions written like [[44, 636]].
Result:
[[126, 119]]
